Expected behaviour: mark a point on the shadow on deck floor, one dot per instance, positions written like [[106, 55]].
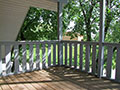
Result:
[[56, 78]]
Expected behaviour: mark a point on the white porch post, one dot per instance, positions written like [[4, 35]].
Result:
[[60, 54], [101, 38]]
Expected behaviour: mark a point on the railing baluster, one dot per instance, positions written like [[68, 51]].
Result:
[[94, 60], [31, 61], [65, 54], [117, 76], [16, 58], [81, 57], [37, 56], [70, 54], [0, 61], [54, 54], [43, 56], [23, 57], [75, 55], [109, 62], [87, 62], [49, 54], [8, 58], [60, 53]]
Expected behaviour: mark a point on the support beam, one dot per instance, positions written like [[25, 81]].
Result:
[[101, 38], [60, 54], [59, 21]]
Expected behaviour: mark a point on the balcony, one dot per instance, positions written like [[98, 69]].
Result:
[[56, 64], [33, 60]]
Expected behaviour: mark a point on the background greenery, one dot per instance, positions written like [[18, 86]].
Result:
[[41, 24]]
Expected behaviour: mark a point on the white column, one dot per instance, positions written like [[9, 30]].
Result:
[[101, 38], [59, 21], [60, 54]]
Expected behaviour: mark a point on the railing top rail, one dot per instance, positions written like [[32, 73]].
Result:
[[92, 43], [28, 42], [82, 42], [112, 44], [57, 41]]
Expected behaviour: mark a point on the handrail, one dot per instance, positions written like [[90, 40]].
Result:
[[81, 42], [111, 44], [28, 42]]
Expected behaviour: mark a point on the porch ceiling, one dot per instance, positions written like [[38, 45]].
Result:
[[13, 12]]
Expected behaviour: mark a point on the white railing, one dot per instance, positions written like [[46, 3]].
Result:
[[28, 56], [84, 56]]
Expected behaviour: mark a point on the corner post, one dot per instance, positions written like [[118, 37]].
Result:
[[101, 38], [60, 47]]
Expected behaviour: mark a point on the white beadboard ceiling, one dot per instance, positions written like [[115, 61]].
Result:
[[13, 12]]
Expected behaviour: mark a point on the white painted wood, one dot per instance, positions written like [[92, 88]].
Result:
[[16, 59], [81, 42], [61, 53], [43, 56], [37, 56], [87, 62], [60, 21], [31, 58], [49, 54], [101, 38], [54, 54], [109, 62], [117, 76], [94, 60], [24, 58], [66, 53], [75, 55], [0, 61], [8, 58], [60, 46], [81, 57], [70, 54]]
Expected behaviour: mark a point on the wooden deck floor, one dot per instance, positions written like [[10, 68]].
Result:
[[56, 78]]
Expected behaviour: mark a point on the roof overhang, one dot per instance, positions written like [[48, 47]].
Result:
[[13, 12]]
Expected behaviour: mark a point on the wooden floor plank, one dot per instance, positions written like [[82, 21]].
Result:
[[63, 84], [47, 80], [12, 84], [58, 81], [40, 81], [4, 85], [56, 78], [19, 84], [33, 83], [67, 83], [0, 88], [24, 82]]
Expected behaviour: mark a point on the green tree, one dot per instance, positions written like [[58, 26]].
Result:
[[85, 14], [39, 24]]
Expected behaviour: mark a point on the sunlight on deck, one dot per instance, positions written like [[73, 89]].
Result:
[[56, 78]]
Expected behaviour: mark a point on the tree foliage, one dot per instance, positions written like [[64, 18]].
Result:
[[39, 24], [86, 16]]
